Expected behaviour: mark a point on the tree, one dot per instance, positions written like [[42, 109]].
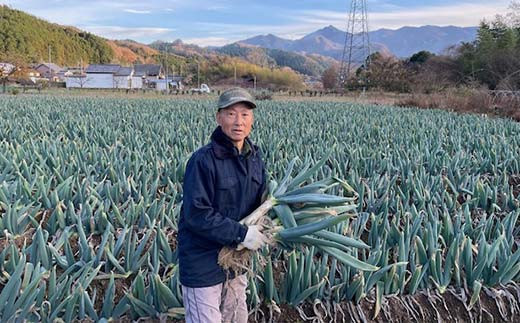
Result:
[[437, 74], [329, 77], [420, 57], [385, 73], [513, 16], [492, 59]]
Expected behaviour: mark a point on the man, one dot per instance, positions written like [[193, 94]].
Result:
[[223, 183]]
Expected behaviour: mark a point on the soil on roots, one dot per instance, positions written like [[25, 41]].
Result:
[[495, 305]]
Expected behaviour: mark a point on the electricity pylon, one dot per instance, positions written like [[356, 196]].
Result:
[[356, 50]]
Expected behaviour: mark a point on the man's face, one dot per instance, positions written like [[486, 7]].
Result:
[[236, 122]]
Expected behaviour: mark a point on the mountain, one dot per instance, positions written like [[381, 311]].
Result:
[[269, 41], [178, 47], [402, 42], [309, 64], [26, 38], [29, 38], [129, 52], [328, 41], [406, 41], [330, 32]]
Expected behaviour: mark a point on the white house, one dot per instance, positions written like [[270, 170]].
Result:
[[109, 76], [101, 76], [123, 78], [75, 81], [148, 74], [136, 81], [174, 82], [159, 85]]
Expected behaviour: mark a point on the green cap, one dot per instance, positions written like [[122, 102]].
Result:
[[235, 95]]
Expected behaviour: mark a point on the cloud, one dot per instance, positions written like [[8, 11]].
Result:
[[120, 32], [72, 14], [216, 8], [75, 13], [140, 12]]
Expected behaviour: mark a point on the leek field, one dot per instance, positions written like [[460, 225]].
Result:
[[90, 191]]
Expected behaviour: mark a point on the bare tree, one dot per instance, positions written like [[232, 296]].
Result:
[[80, 80], [330, 77], [513, 16], [119, 81], [437, 74]]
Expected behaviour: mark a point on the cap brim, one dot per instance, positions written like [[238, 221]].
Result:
[[251, 104]]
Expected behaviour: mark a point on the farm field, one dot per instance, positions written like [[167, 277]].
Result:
[[90, 191]]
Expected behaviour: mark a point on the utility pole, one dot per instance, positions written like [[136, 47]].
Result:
[[198, 75], [81, 80], [166, 68], [49, 65], [254, 81], [235, 77], [356, 51]]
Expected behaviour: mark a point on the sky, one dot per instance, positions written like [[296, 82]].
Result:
[[220, 22]]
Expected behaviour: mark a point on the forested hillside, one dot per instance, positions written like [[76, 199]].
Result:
[[28, 38]]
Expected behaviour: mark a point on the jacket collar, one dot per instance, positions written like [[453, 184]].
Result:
[[223, 146]]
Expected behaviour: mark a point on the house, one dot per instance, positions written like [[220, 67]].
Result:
[[174, 82], [137, 78], [109, 76], [75, 77], [25, 75], [51, 71], [148, 74], [76, 81], [101, 76], [123, 78]]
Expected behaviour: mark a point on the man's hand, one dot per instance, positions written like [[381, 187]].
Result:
[[254, 239]]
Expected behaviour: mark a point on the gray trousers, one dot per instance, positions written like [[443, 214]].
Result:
[[225, 302]]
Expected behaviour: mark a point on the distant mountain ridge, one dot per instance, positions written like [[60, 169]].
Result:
[[402, 42], [308, 64]]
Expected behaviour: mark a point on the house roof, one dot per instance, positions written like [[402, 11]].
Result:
[[51, 66], [103, 68], [124, 71], [175, 78], [147, 69]]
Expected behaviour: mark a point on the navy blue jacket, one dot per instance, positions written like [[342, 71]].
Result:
[[220, 188]]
